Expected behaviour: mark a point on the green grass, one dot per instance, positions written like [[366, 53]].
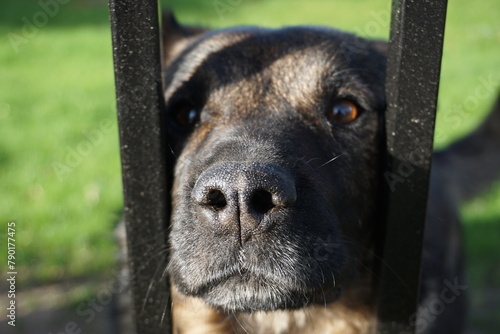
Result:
[[59, 87], [54, 91]]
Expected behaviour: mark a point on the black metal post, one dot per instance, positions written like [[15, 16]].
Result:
[[414, 63], [136, 46]]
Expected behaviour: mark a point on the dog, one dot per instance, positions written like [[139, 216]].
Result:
[[278, 136]]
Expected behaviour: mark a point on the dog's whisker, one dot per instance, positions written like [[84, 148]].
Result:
[[375, 256], [310, 160], [178, 158], [152, 242], [148, 259], [151, 284], [331, 160], [164, 313], [166, 269], [239, 323], [172, 151]]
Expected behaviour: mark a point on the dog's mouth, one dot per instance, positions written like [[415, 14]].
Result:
[[244, 290], [247, 284]]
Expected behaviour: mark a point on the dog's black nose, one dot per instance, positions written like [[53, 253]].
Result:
[[242, 197]]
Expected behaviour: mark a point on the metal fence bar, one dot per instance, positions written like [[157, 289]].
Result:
[[414, 62], [136, 46]]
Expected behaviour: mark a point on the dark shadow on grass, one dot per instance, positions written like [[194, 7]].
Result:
[[483, 273], [483, 256], [64, 320]]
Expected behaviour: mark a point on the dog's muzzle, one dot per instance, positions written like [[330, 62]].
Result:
[[242, 198]]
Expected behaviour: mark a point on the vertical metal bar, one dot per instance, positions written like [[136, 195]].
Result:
[[414, 63], [136, 45]]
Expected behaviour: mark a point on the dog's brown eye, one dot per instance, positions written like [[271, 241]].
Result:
[[343, 111], [186, 115]]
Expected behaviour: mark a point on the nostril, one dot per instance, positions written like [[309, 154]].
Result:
[[215, 199], [261, 201]]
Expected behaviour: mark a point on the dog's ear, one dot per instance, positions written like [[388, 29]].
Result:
[[175, 37]]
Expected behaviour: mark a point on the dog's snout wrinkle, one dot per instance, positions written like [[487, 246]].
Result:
[[240, 197]]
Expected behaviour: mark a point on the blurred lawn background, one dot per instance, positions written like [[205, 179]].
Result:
[[59, 155]]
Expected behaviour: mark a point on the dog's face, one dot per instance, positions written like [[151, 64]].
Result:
[[277, 135]]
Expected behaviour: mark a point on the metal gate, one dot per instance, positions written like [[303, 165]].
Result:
[[416, 38]]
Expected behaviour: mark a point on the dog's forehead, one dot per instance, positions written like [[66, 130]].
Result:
[[289, 59]]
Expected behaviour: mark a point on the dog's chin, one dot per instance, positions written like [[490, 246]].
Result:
[[246, 292]]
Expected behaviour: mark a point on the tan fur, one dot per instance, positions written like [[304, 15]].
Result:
[[192, 316], [352, 314]]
